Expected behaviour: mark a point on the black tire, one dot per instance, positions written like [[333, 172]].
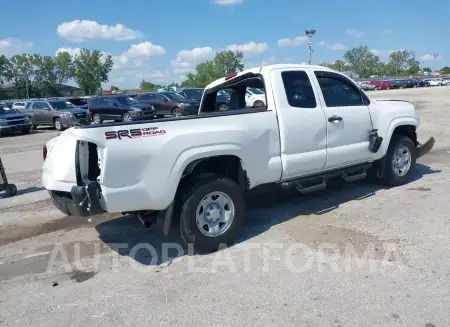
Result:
[[191, 198], [258, 104], [126, 118], [10, 190], [386, 171], [223, 107], [96, 119], [177, 112], [26, 130], [33, 127], [57, 123]]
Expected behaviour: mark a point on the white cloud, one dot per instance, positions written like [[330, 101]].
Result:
[[249, 49], [383, 53], [430, 57], [186, 60], [71, 51], [144, 50], [299, 40], [85, 30], [355, 33], [228, 2], [387, 31], [336, 46], [10, 47]]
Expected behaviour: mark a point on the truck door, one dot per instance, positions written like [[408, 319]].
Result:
[[38, 112], [301, 121], [348, 119]]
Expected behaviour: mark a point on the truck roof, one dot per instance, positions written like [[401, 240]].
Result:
[[266, 68]]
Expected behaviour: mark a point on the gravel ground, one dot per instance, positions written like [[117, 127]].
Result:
[[300, 262]]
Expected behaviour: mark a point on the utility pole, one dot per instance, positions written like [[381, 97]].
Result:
[[310, 34]]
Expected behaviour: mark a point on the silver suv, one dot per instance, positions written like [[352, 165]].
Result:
[[60, 114]]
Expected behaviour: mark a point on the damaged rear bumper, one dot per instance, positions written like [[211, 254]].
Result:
[[83, 201], [423, 149]]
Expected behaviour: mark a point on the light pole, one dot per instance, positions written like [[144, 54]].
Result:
[[309, 35], [436, 55]]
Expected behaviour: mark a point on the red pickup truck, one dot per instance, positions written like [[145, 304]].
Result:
[[382, 85]]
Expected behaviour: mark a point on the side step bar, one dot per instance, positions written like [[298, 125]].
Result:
[[319, 182]]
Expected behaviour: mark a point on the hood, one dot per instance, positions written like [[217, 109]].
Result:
[[11, 116], [389, 110]]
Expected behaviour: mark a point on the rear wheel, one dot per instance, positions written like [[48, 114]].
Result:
[[177, 112], [223, 107], [397, 167], [97, 119], [212, 212], [26, 130], [10, 190]]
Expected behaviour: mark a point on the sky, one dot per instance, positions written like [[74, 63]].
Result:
[[162, 41]]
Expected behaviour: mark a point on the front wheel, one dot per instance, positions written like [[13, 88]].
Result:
[[126, 118], [26, 130], [177, 112], [223, 107], [397, 167], [258, 104], [58, 124], [212, 212]]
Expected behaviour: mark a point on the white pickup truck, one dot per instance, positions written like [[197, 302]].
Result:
[[317, 124]]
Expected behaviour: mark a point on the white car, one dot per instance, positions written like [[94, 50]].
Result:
[[318, 124], [446, 81], [19, 105], [255, 97], [434, 82]]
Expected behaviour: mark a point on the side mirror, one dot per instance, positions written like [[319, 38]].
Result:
[[115, 104]]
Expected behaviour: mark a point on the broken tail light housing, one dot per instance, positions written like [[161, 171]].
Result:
[[44, 152], [230, 76]]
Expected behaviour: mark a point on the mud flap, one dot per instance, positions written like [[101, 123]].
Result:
[[423, 149]]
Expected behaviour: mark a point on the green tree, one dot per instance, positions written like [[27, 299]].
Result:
[[52, 72], [427, 70], [114, 88], [22, 71], [362, 61], [148, 86], [4, 63], [338, 65], [223, 64], [400, 59], [445, 70], [91, 68]]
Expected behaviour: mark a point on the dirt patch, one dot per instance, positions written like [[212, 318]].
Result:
[[82, 276]]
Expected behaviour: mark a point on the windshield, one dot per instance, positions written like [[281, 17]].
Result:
[[61, 105], [174, 96], [255, 90], [223, 93], [127, 100]]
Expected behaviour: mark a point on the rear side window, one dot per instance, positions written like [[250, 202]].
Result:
[[146, 97], [299, 92], [28, 106], [337, 92]]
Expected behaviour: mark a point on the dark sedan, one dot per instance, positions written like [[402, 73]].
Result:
[[170, 103], [222, 100], [119, 108]]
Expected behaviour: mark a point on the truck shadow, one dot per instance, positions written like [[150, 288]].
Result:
[[150, 247]]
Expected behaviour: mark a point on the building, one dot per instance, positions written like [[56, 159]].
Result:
[[9, 91]]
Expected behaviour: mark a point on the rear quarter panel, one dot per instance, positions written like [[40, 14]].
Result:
[[143, 173]]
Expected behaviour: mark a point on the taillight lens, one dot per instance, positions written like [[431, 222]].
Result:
[[44, 152]]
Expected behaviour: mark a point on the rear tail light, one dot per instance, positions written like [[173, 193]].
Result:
[[44, 152]]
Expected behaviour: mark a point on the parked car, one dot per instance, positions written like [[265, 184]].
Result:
[[382, 85], [80, 102], [60, 114], [170, 103], [119, 107], [366, 86], [421, 82], [222, 100], [446, 81], [255, 97], [434, 82], [6, 104], [319, 126], [19, 105], [13, 122]]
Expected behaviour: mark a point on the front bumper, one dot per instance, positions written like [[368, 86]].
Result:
[[14, 127], [423, 149], [143, 114], [83, 201]]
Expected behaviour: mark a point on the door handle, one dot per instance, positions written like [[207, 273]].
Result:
[[334, 118]]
